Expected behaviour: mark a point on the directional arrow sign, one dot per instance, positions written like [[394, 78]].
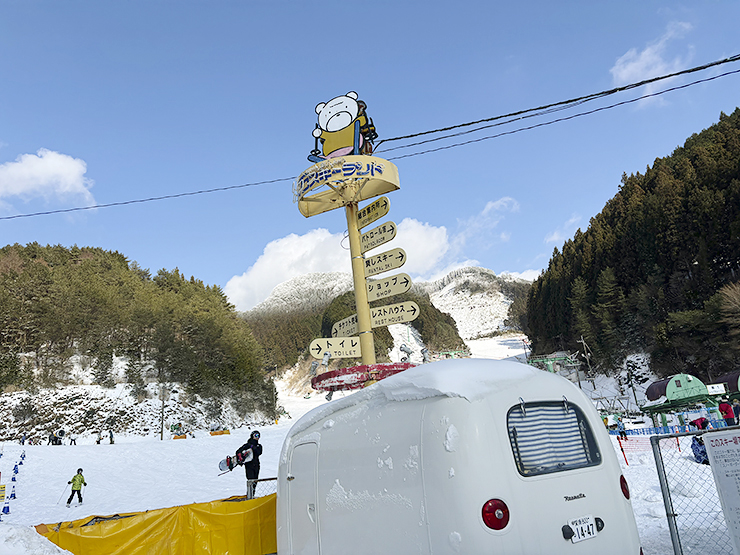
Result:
[[339, 347], [377, 236], [345, 327], [394, 314], [372, 212], [387, 287], [381, 316], [388, 260]]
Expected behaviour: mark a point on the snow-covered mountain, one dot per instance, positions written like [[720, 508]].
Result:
[[306, 292], [472, 296]]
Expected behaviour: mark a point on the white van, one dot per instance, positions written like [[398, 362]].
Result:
[[457, 456]]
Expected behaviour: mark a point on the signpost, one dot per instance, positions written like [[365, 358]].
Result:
[[336, 181], [398, 313], [377, 236], [373, 212], [387, 287], [338, 347], [385, 261]]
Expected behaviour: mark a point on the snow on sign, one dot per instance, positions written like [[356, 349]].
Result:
[[388, 260], [338, 347], [377, 236], [387, 287], [373, 212]]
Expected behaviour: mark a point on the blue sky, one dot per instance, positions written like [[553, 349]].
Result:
[[105, 102]]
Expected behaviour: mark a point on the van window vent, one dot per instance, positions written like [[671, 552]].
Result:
[[551, 436]]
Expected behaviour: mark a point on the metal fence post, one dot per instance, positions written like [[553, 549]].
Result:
[[665, 489]]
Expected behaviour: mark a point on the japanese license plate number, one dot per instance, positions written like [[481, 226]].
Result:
[[584, 528]]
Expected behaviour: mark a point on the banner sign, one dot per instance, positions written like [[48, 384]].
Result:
[[723, 450]]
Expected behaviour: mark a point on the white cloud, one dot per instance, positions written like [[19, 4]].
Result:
[[654, 60], [431, 253], [426, 245], [565, 231], [285, 258], [479, 226], [46, 174]]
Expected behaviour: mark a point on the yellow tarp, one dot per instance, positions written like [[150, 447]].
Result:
[[234, 526]]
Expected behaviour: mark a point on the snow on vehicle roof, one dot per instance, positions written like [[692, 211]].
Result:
[[470, 379]]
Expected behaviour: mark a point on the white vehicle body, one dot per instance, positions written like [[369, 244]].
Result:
[[407, 465]]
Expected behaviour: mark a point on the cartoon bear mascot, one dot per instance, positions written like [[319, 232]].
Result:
[[343, 128]]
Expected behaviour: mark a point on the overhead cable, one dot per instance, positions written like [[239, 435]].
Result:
[[522, 114]]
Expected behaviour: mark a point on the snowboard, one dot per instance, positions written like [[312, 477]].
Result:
[[230, 462]]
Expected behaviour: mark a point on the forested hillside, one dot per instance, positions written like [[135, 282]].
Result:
[[58, 303], [658, 269], [286, 335]]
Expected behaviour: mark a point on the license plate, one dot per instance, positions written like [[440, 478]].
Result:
[[584, 528]]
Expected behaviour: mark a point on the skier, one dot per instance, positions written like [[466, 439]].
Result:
[[111, 437], [252, 467], [77, 481], [620, 428], [72, 439]]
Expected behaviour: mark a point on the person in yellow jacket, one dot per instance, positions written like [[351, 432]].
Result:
[[77, 481]]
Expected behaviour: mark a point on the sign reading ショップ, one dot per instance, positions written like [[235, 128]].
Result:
[[723, 450]]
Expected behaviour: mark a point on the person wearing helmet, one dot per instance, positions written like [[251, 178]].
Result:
[[77, 481], [251, 466]]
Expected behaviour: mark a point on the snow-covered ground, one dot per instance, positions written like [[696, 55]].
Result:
[[139, 473]]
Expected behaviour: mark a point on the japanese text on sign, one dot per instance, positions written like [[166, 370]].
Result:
[[337, 347], [723, 449], [377, 236], [345, 327], [379, 263], [384, 288], [372, 212], [333, 170]]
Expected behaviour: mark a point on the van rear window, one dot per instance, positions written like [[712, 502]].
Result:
[[551, 436]]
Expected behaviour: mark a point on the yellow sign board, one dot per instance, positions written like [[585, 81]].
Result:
[[378, 236], [345, 327], [388, 260], [2, 492], [338, 347], [337, 182], [394, 314], [387, 287], [398, 313], [373, 212]]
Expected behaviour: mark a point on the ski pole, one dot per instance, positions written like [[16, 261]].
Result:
[[65, 491]]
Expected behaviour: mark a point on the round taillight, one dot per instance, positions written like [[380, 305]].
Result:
[[624, 486], [495, 514]]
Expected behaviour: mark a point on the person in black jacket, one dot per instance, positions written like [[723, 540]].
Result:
[[251, 466]]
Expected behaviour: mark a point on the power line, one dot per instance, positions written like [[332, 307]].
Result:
[[558, 120], [150, 199], [564, 104], [522, 114]]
